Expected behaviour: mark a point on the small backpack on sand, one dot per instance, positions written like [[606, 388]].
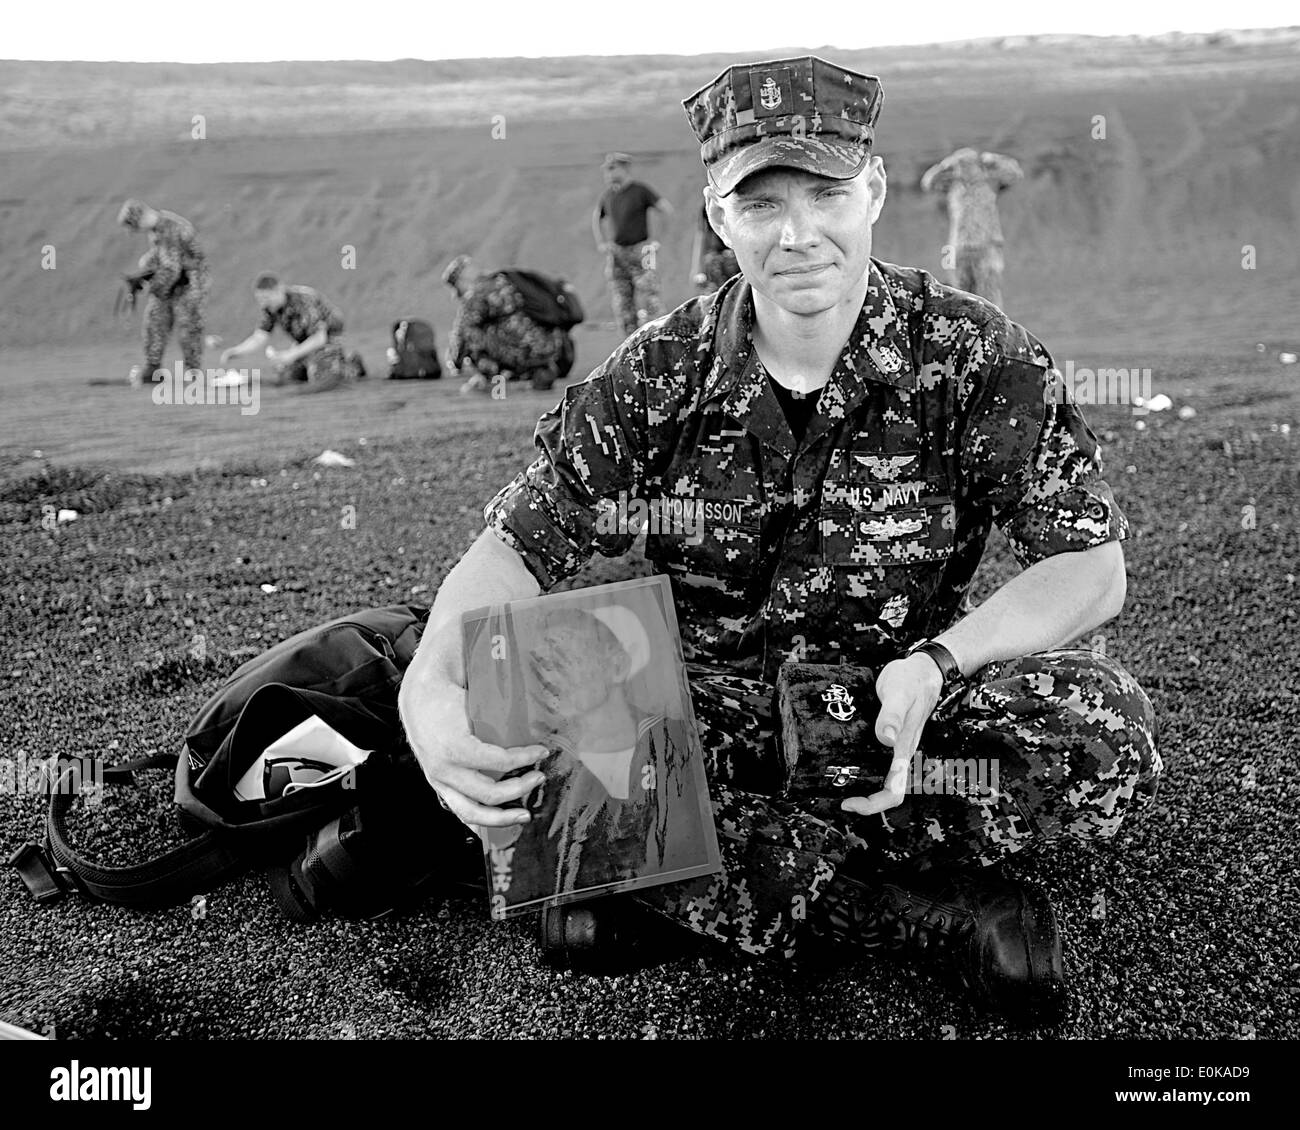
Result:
[[414, 352], [358, 839], [548, 301]]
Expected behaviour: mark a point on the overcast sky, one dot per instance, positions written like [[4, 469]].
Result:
[[244, 31]]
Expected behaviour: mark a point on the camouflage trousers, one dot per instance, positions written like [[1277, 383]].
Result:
[[516, 345], [979, 270], [719, 266], [1073, 736], [182, 310], [633, 284], [323, 369]]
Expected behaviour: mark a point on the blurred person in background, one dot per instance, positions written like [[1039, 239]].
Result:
[[621, 226], [174, 275]]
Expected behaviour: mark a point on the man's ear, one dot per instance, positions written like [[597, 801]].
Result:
[[620, 666], [716, 212], [877, 185]]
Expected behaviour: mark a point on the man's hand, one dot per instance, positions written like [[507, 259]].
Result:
[[278, 356], [461, 768], [909, 690]]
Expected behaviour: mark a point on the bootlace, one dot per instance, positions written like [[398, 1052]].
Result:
[[904, 922]]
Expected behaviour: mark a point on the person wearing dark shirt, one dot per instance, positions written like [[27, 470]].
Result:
[[314, 323], [621, 226]]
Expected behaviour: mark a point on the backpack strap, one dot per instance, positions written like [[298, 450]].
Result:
[[51, 869]]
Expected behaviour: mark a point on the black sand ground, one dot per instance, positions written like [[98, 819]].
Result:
[[114, 627]]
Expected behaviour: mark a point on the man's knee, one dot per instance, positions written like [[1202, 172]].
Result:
[[1075, 679], [1085, 707]]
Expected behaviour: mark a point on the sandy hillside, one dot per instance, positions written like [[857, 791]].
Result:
[[1114, 245]]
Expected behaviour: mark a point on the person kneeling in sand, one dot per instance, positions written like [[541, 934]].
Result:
[[314, 323], [494, 340]]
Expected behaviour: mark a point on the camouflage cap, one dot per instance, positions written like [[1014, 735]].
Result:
[[613, 160], [803, 113], [455, 269], [131, 214]]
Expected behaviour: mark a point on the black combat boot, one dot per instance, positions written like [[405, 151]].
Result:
[[999, 938], [607, 936]]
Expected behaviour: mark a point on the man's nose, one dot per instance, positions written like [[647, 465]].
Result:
[[799, 226]]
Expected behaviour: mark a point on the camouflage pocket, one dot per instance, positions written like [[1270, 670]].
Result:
[[714, 538]]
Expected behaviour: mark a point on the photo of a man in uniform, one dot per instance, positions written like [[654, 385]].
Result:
[[621, 796]]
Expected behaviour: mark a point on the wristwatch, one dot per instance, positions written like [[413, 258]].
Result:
[[954, 682]]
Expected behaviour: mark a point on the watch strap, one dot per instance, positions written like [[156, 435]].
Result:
[[943, 658]]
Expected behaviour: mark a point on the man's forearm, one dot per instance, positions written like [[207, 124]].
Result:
[[489, 573], [253, 341], [1052, 602]]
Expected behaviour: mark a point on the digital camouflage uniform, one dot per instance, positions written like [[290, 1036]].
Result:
[[633, 283], [939, 419], [969, 183], [177, 294], [303, 312], [493, 334]]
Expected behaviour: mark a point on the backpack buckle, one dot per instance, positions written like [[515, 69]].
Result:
[[40, 874]]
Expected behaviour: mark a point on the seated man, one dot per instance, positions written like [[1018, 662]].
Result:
[[493, 337], [314, 323], [849, 430]]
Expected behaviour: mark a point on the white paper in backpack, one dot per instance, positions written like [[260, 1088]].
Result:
[[313, 739]]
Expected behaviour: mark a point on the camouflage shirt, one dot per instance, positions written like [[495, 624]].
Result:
[[303, 312], [940, 418], [173, 250]]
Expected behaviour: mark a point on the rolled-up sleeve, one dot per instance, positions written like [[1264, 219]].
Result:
[[572, 500], [1029, 455]]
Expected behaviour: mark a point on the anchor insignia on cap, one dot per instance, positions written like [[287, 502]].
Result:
[[769, 94]]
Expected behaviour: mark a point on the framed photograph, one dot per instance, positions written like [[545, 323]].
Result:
[[597, 676]]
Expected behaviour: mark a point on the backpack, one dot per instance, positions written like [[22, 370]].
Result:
[[363, 843], [547, 301], [414, 352]]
